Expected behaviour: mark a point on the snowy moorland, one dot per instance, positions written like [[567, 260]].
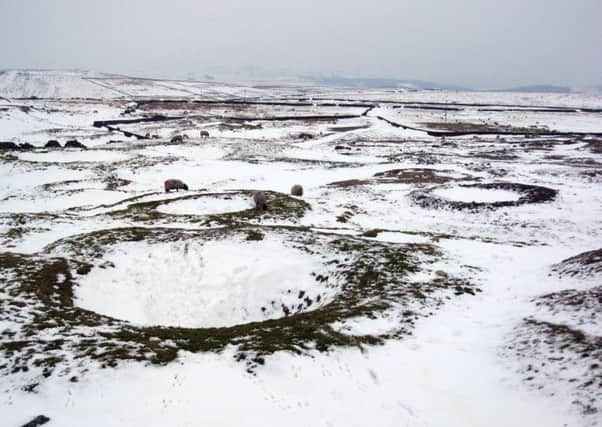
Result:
[[442, 267]]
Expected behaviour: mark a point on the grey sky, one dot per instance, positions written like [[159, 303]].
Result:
[[478, 43]]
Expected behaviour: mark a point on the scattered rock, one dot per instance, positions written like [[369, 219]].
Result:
[[255, 235], [8, 146], [204, 134], [53, 143], [177, 139], [37, 421], [371, 233], [74, 143]]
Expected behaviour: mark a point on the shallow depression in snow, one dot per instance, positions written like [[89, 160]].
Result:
[[205, 206], [479, 195], [194, 285]]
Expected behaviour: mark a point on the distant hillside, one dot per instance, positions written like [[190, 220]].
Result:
[[50, 84], [540, 89], [379, 83]]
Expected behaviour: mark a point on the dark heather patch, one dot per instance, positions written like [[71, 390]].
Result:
[[583, 265], [555, 355], [417, 176]]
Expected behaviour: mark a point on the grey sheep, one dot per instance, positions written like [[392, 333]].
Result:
[[297, 190], [174, 184], [260, 203]]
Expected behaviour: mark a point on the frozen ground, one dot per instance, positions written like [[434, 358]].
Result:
[[442, 267]]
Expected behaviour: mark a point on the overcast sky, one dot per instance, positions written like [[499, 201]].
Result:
[[476, 43]]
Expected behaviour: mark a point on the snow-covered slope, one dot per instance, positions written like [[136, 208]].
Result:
[[51, 84]]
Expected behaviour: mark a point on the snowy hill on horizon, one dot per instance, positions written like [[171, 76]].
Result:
[[51, 84], [85, 84]]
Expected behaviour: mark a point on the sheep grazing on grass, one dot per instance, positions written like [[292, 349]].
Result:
[[174, 184], [204, 134], [260, 203], [297, 190]]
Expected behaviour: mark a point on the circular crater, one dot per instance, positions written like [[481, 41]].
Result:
[[203, 284], [142, 293], [233, 207], [474, 197]]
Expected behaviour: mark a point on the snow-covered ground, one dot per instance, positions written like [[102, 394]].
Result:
[[208, 292], [354, 304]]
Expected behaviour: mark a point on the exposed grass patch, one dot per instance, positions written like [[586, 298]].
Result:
[[418, 176], [556, 353], [469, 127], [112, 182]]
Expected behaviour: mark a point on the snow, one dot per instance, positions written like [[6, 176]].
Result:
[[206, 206], [258, 278], [453, 368], [49, 84], [55, 203], [69, 156], [479, 195], [395, 237], [195, 152]]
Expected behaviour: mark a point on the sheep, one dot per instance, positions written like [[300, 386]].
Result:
[[174, 184], [297, 190], [204, 134], [260, 203], [177, 139]]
